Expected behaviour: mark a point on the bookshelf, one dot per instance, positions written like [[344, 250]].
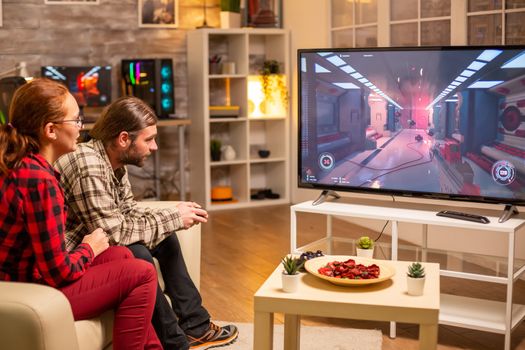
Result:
[[225, 104]]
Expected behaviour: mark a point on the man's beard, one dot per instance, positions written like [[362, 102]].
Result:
[[131, 157]]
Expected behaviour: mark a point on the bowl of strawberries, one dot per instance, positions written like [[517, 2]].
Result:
[[350, 270]]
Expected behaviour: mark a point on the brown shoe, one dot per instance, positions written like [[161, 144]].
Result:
[[215, 336]]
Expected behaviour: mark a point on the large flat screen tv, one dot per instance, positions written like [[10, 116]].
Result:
[[445, 122]]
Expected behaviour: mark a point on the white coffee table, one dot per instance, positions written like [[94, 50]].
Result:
[[385, 301]]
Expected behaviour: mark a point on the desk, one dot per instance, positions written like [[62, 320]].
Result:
[[181, 126], [385, 301]]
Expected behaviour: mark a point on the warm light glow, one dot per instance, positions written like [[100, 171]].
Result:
[[272, 105]]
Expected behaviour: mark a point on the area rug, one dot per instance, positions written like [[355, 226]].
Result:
[[314, 338]]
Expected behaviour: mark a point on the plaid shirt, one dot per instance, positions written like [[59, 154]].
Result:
[[100, 197], [32, 217]]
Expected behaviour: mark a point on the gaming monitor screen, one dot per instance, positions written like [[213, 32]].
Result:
[[90, 85], [439, 122]]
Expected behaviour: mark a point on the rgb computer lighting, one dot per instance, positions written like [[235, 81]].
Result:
[[132, 73]]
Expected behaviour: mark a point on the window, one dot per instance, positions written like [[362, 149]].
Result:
[[354, 23], [489, 22], [420, 22]]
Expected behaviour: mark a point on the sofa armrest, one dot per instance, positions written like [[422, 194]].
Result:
[[190, 242], [35, 317]]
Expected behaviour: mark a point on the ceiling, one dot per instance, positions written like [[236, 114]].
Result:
[[408, 74]]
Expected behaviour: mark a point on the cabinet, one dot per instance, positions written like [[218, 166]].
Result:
[[225, 104], [459, 311]]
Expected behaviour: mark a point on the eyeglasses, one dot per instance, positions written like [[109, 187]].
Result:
[[78, 122]]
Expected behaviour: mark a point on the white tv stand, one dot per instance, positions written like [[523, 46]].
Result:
[[472, 313]]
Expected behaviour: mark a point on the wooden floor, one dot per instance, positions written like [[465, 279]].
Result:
[[240, 248]]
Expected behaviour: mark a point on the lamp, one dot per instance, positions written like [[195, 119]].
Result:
[[204, 22], [20, 69], [266, 104]]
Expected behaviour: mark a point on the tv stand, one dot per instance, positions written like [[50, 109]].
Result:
[[324, 196], [466, 312], [508, 212]]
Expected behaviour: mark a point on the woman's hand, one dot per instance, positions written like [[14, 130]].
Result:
[[97, 240]]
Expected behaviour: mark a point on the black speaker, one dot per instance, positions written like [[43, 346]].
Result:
[[151, 80]]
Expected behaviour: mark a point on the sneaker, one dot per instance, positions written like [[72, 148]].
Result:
[[214, 337]]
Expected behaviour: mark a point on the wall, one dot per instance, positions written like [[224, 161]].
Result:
[[308, 22], [102, 34]]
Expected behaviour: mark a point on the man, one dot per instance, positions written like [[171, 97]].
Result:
[[98, 194]]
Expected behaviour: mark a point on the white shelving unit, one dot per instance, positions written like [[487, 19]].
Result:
[[472, 313], [245, 49]]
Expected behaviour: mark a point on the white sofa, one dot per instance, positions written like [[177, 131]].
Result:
[[37, 317]]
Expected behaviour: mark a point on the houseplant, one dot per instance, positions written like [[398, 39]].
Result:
[[365, 247], [215, 149], [230, 13], [415, 279], [290, 276], [273, 80]]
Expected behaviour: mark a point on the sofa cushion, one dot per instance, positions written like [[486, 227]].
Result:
[[95, 333]]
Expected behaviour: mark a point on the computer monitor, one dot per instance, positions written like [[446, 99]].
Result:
[[90, 85]]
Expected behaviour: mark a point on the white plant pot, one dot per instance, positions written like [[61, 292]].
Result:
[[415, 286], [290, 282], [230, 19], [365, 253]]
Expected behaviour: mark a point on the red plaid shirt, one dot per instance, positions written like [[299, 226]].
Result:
[[32, 221]]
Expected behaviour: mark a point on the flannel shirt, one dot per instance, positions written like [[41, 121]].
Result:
[[32, 218], [97, 197]]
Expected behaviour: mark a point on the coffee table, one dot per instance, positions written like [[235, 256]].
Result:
[[385, 301]]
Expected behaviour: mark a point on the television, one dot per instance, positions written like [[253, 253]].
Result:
[[434, 122], [90, 85], [151, 80]]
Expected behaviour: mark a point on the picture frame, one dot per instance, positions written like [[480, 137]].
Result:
[[1, 13], [265, 13], [158, 13], [72, 2]]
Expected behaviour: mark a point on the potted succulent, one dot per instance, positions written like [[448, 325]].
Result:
[[230, 13], [415, 279], [215, 150], [365, 247], [290, 276]]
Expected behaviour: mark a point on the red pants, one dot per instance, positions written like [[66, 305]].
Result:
[[117, 281]]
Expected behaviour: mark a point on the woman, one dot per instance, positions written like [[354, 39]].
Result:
[[45, 124]]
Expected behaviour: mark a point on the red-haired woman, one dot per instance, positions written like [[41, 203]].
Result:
[[44, 125]]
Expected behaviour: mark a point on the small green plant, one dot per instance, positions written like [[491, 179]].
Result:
[[231, 5], [215, 149], [416, 270], [291, 265], [365, 242]]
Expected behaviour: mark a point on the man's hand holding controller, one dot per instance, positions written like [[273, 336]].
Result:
[[192, 214]]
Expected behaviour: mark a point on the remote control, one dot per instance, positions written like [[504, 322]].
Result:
[[464, 216]]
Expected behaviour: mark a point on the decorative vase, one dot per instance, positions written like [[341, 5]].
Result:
[[230, 19], [228, 152], [415, 286], [290, 282], [365, 253]]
